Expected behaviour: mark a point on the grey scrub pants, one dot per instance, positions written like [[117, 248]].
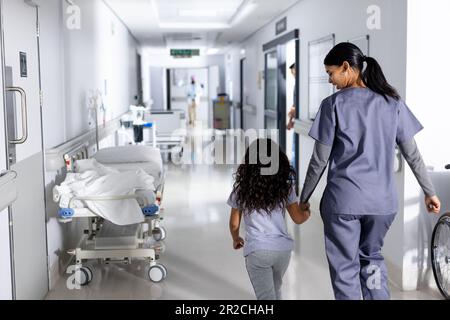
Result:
[[266, 270], [353, 247]]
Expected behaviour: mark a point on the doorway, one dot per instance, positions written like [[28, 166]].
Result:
[[281, 91], [140, 96], [180, 81], [241, 95]]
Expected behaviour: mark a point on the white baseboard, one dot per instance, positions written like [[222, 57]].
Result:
[[60, 266], [53, 274], [395, 274]]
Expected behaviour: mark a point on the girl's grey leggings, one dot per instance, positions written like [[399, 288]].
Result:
[[266, 270]]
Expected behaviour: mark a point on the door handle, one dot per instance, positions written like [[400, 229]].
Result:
[[23, 103]]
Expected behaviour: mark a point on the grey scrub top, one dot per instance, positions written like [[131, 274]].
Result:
[[363, 129]]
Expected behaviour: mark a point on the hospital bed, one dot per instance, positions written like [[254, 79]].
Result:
[[166, 130], [111, 239]]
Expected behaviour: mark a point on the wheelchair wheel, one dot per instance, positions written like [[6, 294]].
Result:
[[440, 254]]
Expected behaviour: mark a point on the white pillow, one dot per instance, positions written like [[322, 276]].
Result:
[[128, 154]]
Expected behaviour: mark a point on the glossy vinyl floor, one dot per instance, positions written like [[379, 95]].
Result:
[[198, 255]]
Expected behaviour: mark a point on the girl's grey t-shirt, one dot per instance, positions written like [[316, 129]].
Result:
[[266, 232], [363, 129]]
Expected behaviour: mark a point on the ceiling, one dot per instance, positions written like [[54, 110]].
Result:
[[204, 24]]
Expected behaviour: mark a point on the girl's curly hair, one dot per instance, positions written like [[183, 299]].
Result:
[[258, 192]]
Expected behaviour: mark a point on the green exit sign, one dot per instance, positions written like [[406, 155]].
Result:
[[184, 53]]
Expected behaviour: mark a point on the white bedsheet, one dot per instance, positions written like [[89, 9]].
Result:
[[105, 181], [132, 158], [148, 167]]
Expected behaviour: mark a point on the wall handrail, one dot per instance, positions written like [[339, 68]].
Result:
[[54, 157]]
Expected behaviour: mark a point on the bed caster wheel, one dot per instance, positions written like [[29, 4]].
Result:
[[90, 274], [157, 273], [159, 247], [159, 233], [83, 276]]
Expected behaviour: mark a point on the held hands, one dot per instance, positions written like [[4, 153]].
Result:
[[238, 243], [433, 204], [305, 210]]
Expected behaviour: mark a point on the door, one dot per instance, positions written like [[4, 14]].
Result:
[[214, 88], [241, 93], [271, 91], [140, 89], [157, 88], [275, 93], [282, 90], [5, 254], [24, 136], [291, 100]]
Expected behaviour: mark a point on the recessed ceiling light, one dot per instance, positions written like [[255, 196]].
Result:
[[212, 51], [189, 25], [197, 13]]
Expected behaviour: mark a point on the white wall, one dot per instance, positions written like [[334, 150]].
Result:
[[232, 61], [52, 72], [100, 55], [347, 19], [427, 97]]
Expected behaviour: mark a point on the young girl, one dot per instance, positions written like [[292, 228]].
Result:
[[262, 197]]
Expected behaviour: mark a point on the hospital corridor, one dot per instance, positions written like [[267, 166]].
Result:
[[224, 150]]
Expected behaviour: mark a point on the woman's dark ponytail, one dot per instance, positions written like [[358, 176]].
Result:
[[372, 76], [375, 80]]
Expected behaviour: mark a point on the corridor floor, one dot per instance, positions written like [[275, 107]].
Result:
[[198, 252]]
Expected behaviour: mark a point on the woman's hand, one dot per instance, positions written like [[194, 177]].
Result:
[[238, 243], [433, 204]]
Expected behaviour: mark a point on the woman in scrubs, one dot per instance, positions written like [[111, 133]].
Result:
[[356, 132]]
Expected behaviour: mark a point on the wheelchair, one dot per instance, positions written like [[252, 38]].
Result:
[[440, 253]]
